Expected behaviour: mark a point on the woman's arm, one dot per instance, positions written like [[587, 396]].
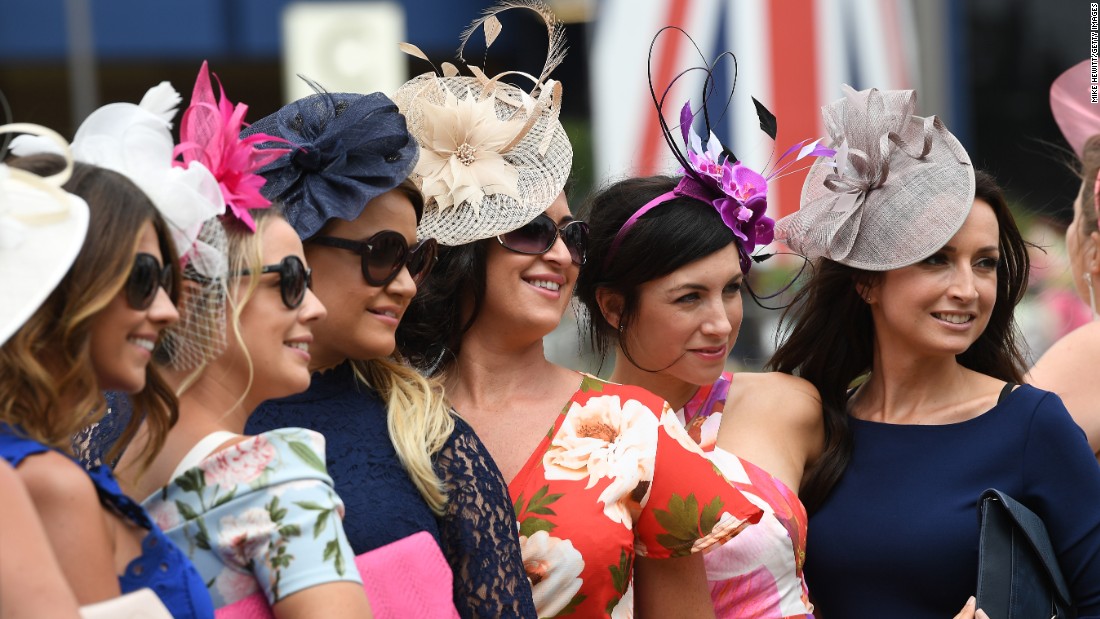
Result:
[[28, 593], [75, 524], [334, 599], [671, 588], [774, 421], [478, 531], [1068, 368]]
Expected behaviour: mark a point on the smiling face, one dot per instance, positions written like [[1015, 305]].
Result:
[[941, 305], [276, 338], [528, 294], [686, 322], [122, 338], [362, 319]]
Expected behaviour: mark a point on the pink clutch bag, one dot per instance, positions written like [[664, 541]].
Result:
[[406, 579]]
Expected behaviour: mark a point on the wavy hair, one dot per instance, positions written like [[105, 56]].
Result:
[[46, 366]]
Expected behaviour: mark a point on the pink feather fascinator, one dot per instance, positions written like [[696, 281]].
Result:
[[210, 134]]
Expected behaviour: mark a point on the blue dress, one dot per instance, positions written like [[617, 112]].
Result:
[[898, 535], [161, 566], [478, 532]]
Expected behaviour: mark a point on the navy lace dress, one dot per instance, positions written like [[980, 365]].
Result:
[[162, 566], [478, 532]]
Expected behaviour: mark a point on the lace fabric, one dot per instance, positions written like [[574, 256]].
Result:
[[92, 444], [478, 533]]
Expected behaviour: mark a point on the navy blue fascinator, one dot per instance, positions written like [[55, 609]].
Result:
[[347, 149]]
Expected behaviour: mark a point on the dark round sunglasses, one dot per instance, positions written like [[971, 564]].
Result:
[[294, 279], [538, 236], [384, 254], [146, 276]]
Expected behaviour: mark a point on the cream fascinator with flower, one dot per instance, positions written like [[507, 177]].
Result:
[[899, 187], [492, 156]]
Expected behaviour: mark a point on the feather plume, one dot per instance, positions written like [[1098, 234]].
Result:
[[555, 31], [162, 101]]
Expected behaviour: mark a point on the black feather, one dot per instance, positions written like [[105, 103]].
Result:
[[767, 119]]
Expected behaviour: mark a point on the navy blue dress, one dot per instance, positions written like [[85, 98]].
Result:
[[162, 566], [477, 534], [898, 535]]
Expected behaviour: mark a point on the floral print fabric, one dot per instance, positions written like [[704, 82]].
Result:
[[260, 515], [616, 477], [759, 574]]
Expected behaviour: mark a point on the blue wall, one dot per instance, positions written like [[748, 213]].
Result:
[[35, 30]]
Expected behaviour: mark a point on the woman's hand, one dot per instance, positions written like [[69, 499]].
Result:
[[968, 611]]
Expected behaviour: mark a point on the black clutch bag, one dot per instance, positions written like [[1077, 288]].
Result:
[[1018, 573]]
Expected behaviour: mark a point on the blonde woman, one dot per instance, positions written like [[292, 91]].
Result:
[[402, 463]]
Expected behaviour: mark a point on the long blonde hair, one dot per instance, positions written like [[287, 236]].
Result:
[[417, 417], [46, 366]]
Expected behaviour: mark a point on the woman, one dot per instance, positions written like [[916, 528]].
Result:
[[401, 462], [918, 270], [211, 484], [95, 332], [1066, 368], [614, 500], [672, 323], [31, 265]]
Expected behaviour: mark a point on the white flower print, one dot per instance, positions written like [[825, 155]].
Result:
[[624, 609], [607, 438], [675, 428], [233, 585], [246, 537], [234, 465], [554, 567]]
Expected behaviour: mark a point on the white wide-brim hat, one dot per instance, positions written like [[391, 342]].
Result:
[[42, 229]]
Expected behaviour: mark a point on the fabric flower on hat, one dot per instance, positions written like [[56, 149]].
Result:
[[346, 149], [136, 141], [460, 159], [210, 135]]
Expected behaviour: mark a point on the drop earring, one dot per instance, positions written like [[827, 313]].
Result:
[[1092, 296]]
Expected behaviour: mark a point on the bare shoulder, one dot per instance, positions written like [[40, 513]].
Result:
[[1072, 356], [774, 390], [1068, 369], [782, 406], [54, 481]]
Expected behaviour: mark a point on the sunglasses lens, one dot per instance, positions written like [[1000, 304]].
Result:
[[385, 258], [141, 286], [575, 236], [293, 281], [534, 238], [421, 259]]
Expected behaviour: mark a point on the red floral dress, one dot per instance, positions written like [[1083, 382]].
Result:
[[617, 476]]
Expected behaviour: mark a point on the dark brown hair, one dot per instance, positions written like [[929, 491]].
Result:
[[47, 362], [679, 232], [830, 338]]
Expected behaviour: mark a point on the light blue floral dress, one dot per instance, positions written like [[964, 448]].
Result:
[[260, 515]]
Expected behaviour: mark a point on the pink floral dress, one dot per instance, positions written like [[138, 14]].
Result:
[[758, 575], [616, 477], [260, 515]]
